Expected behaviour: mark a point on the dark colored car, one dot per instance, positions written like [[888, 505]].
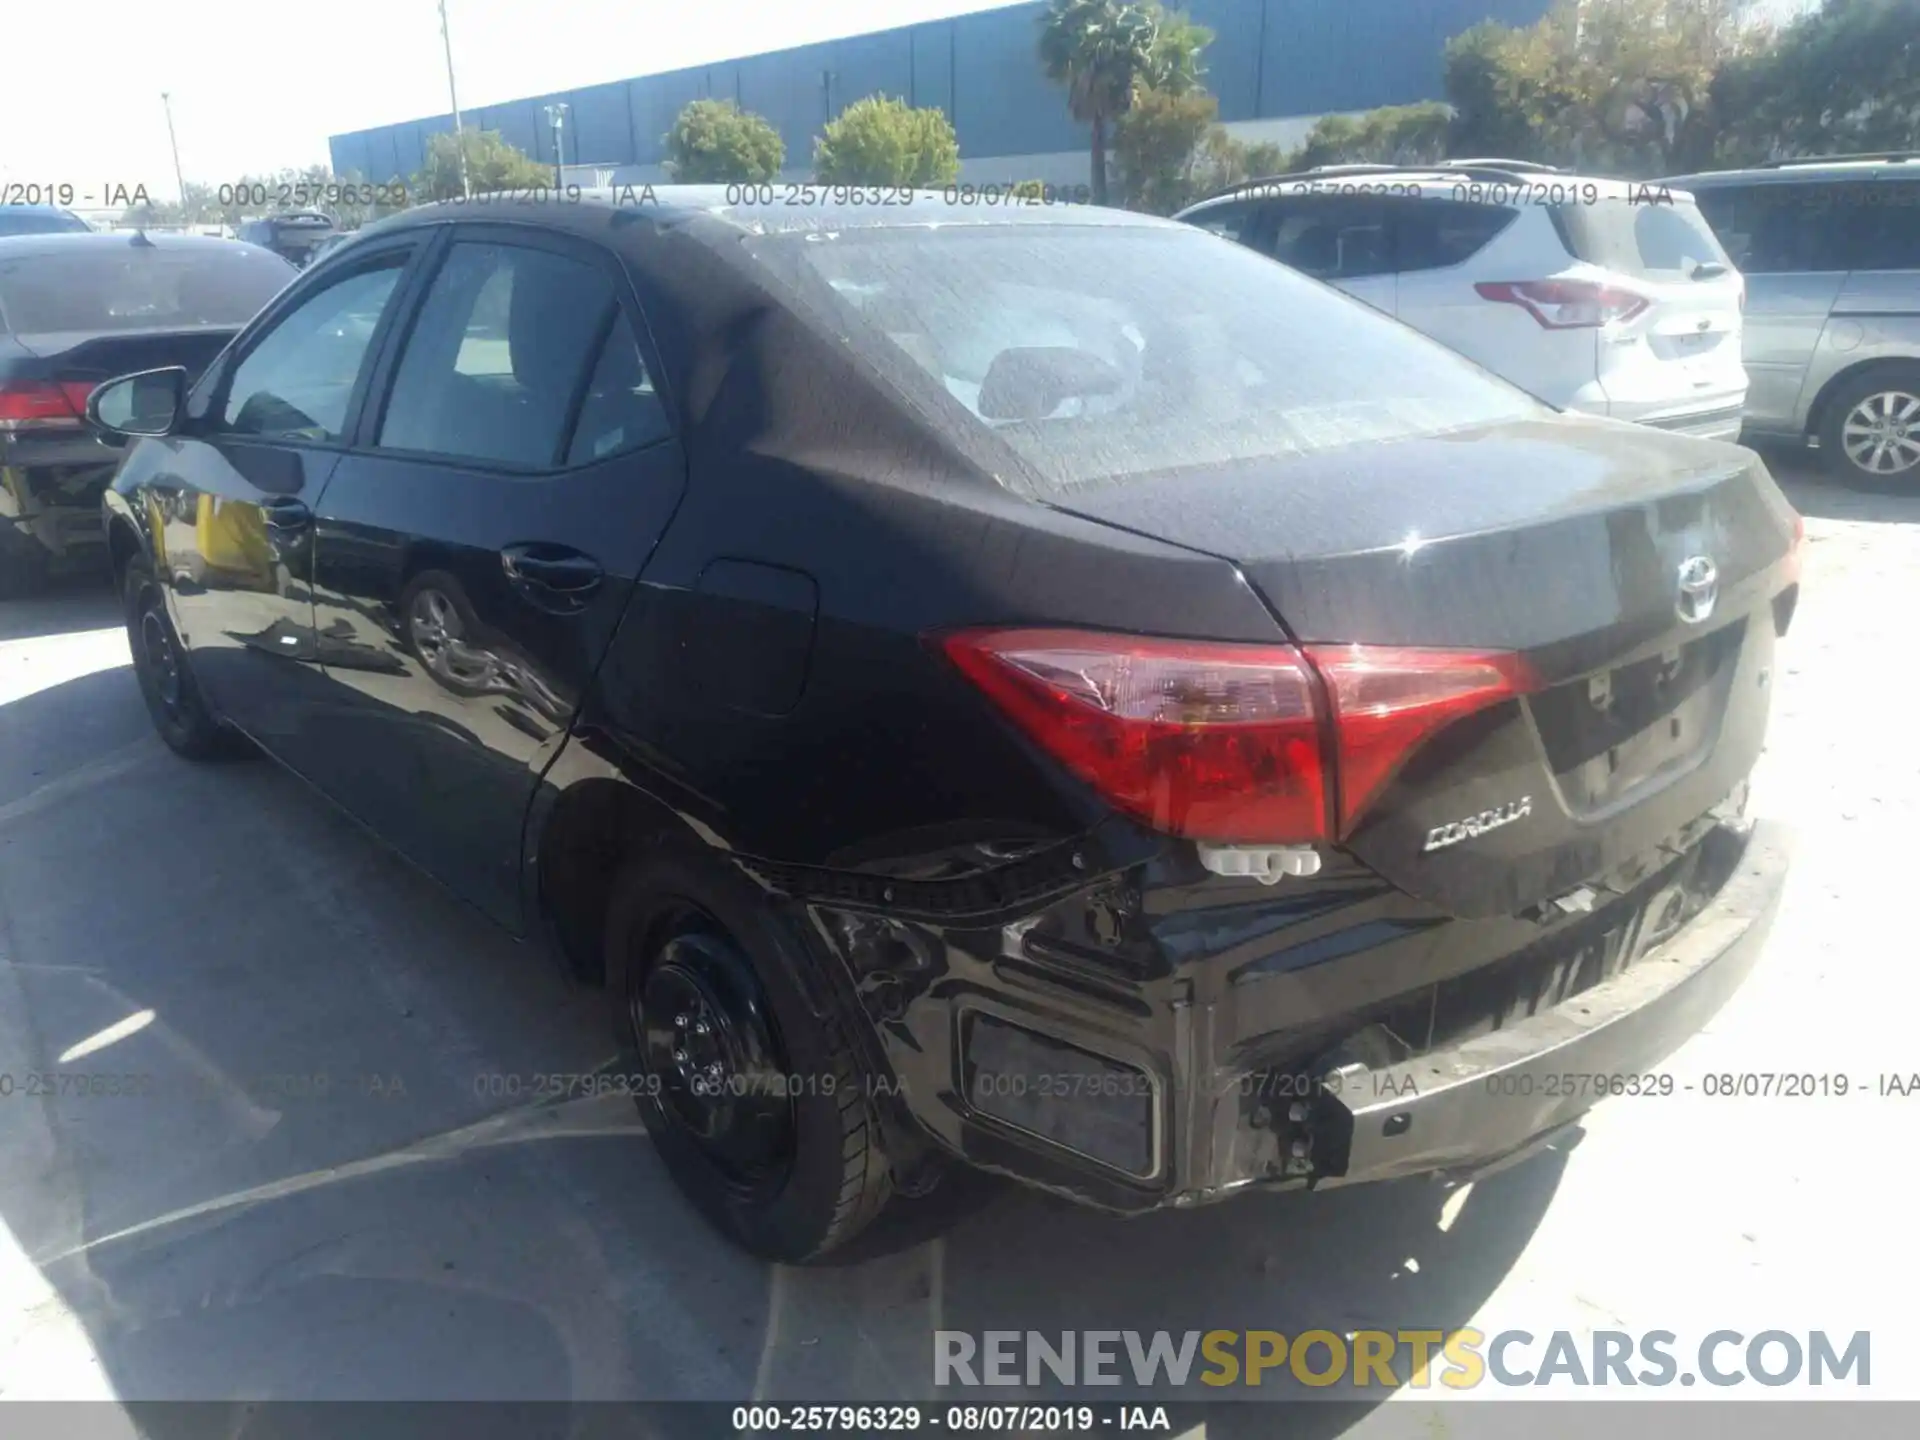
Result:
[[40, 220], [76, 309], [298, 237], [1047, 686]]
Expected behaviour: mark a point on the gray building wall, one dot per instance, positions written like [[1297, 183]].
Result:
[[1271, 60]]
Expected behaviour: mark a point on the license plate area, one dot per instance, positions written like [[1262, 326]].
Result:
[[1614, 732]]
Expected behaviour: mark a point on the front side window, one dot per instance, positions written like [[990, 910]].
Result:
[[1099, 352], [297, 381], [497, 356]]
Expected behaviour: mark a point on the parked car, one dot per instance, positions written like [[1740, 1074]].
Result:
[[1595, 295], [40, 220], [1831, 252], [298, 236], [1033, 686], [76, 309]]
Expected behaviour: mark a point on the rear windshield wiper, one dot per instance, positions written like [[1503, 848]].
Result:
[[1708, 270]]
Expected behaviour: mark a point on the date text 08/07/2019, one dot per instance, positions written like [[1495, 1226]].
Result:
[[1012, 1419]]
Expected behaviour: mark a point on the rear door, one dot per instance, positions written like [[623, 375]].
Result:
[[1787, 240], [475, 550]]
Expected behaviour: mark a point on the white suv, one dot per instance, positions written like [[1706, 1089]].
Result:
[[1604, 296]]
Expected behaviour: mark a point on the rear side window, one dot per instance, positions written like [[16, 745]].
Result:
[[1651, 240], [620, 410], [498, 355], [1343, 237], [1095, 352], [1882, 222], [1433, 234], [116, 285]]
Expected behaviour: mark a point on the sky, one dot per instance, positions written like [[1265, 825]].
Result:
[[257, 85]]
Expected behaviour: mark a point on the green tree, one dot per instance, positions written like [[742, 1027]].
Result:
[[1391, 135], [1098, 50], [714, 142], [1841, 80], [1617, 85], [883, 141], [492, 166], [1156, 148]]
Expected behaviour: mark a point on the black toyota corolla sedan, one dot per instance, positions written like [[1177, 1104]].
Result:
[[1037, 687]]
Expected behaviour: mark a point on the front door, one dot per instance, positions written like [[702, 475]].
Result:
[[475, 550], [235, 498]]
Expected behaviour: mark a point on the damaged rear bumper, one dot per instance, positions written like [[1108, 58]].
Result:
[[1459, 1109], [1173, 1090]]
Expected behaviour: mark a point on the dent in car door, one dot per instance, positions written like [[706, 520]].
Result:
[[475, 555], [233, 501]]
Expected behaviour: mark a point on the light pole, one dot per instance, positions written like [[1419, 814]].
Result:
[[453, 99], [166, 101], [556, 122]]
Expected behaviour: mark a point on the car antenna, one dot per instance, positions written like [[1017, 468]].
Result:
[[140, 237]]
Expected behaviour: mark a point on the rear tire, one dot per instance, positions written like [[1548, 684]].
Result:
[[698, 985], [1870, 430], [179, 712]]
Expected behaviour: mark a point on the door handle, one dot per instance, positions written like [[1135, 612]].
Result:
[[552, 573], [283, 512]]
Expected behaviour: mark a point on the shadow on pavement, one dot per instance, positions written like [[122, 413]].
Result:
[[290, 1139], [72, 602], [1817, 495]]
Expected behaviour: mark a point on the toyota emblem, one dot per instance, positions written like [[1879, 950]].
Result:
[[1699, 588]]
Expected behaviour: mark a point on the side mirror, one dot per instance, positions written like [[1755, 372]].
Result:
[[148, 403]]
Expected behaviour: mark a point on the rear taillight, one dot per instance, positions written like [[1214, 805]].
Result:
[[1566, 304], [30, 404], [1224, 742]]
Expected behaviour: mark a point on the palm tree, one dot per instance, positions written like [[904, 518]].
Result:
[[1097, 49]]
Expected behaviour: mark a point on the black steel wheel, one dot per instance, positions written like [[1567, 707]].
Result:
[[180, 715], [756, 1103], [705, 1033]]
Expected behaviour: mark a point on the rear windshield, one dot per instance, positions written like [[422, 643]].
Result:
[[1099, 352], [1654, 240], [29, 220], [136, 287]]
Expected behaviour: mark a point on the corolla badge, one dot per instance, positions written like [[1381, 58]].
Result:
[[1699, 588], [1441, 836]]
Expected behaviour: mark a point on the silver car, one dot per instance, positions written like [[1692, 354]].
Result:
[[1831, 252]]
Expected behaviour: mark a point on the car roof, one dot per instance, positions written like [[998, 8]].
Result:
[[775, 208], [1438, 182], [1806, 172], [70, 242]]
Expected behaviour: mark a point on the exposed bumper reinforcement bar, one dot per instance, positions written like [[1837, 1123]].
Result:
[[1462, 1109]]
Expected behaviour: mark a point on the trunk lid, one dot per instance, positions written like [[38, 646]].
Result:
[[1561, 540], [90, 355]]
